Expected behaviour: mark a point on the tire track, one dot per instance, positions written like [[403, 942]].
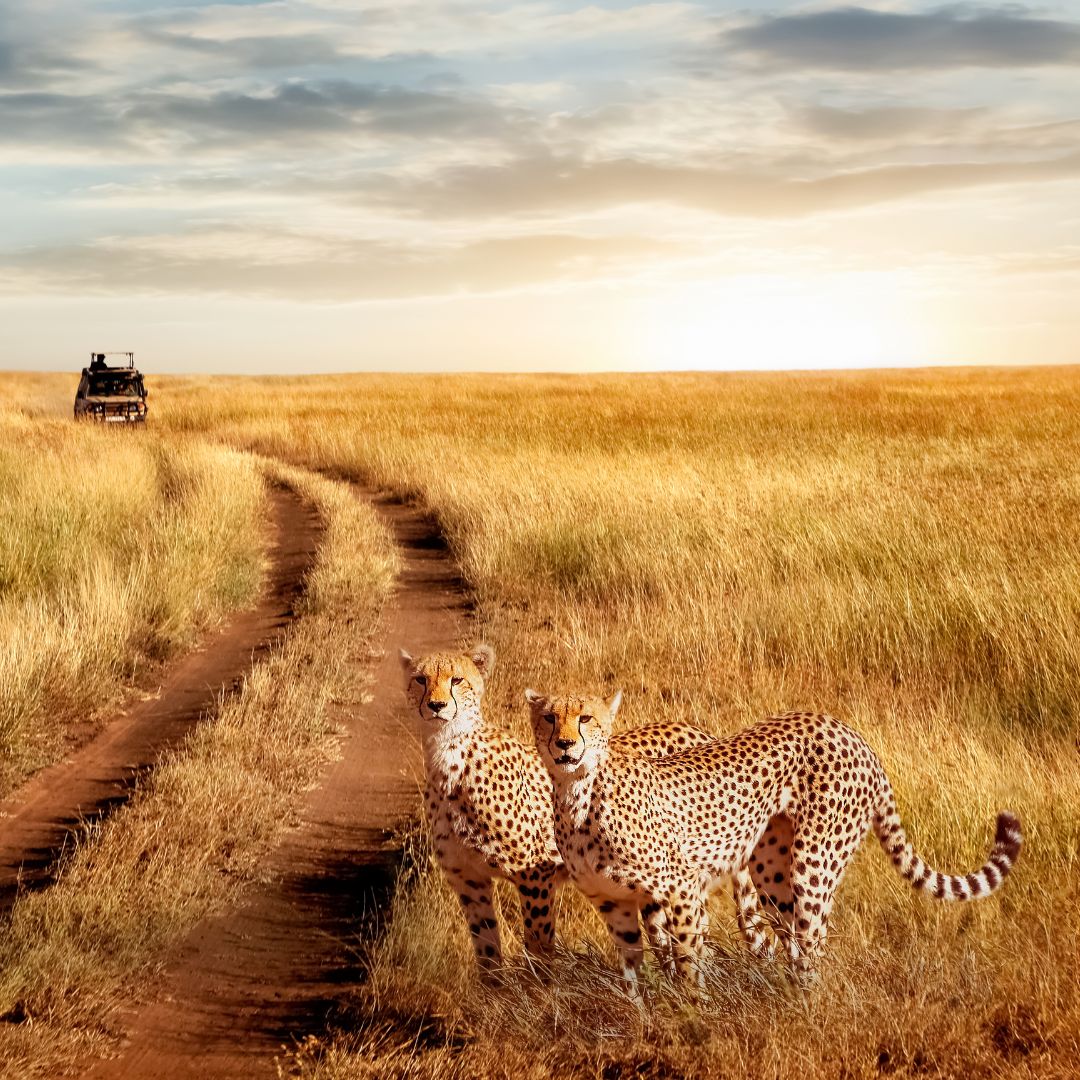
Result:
[[267, 973], [40, 817]]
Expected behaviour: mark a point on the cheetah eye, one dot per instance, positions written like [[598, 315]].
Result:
[[421, 679], [455, 680], [584, 719], [549, 717]]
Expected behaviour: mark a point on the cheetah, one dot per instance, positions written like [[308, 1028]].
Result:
[[489, 799], [654, 836]]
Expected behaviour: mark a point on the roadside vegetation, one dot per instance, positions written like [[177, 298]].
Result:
[[117, 549], [899, 549], [191, 837]]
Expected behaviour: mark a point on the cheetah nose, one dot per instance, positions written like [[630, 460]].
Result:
[[436, 706], [564, 744]]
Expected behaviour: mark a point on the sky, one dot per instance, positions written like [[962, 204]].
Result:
[[420, 185]]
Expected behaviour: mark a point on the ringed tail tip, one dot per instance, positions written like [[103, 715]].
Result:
[[1009, 837]]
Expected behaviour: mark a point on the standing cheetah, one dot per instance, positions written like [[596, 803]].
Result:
[[489, 798], [654, 836]]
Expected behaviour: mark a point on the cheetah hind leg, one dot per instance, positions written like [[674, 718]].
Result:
[[814, 882], [806, 945], [770, 871], [752, 922]]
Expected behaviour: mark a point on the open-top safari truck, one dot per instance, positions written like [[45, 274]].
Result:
[[111, 393]]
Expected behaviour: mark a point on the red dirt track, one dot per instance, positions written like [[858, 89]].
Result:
[[38, 819], [265, 975]]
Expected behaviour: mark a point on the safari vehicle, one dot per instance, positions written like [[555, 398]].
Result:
[[111, 394]]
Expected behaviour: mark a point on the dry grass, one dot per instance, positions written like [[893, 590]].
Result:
[[900, 549], [191, 837], [116, 549]]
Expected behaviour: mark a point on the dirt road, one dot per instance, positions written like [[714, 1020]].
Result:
[[264, 975], [38, 819]]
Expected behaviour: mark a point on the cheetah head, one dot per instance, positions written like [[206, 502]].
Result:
[[444, 687], [571, 732]]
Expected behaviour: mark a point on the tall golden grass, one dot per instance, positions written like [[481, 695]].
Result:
[[116, 549], [192, 836], [900, 549]]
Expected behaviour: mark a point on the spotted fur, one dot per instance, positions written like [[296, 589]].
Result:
[[489, 799], [796, 792]]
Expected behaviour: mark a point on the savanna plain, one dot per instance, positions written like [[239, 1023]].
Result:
[[900, 549]]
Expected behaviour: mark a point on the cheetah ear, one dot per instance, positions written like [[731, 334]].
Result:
[[483, 656], [533, 698], [614, 702], [407, 662]]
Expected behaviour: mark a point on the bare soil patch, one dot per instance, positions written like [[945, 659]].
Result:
[[39, 819], [268, 973]]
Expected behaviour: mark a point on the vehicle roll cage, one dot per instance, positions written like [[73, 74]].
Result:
[[94, 354]]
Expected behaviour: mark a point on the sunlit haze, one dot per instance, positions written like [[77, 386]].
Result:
[[414, 185]]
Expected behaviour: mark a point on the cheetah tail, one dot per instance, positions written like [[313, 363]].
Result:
[[1007, 842]]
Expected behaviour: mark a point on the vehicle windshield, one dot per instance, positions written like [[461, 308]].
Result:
[[115, 384]]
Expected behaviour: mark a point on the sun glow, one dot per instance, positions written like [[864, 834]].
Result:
[[767, 321]]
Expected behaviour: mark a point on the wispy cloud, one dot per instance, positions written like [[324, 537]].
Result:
[[309, 111], [293, 51], [888, 123], [559, 185], [296, 113], [61, 122], [240, 261]]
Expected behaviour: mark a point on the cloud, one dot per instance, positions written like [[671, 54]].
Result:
[[887, 123], [71, 121], [556, 186], [459, 29], [241, 261], [976, 134], [863, 39], [309, 111], [289, 114], [24, 65], [269, 51]]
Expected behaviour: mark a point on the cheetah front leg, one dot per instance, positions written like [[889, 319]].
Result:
[[666, 946], [622, 924], [652, 915], [537, 890], [474, 892], [686, 925]]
